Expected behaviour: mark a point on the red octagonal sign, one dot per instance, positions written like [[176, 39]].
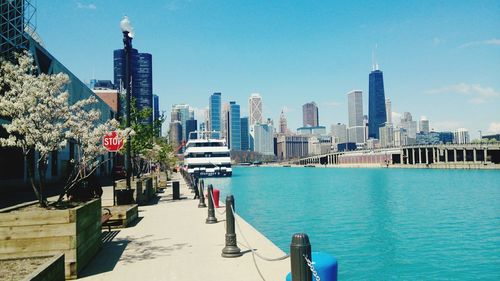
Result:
[[112, 142]]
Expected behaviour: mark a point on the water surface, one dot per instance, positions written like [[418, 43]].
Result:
[[381, 224]]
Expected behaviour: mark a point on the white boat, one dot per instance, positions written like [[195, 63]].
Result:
[[207, 157]]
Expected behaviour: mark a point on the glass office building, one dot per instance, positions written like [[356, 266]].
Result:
[[244, 134], [377, 116], [215, 111], [234, 126], [191, 126], [142, 77]]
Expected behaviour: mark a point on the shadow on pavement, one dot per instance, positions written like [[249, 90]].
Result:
[[108, 257]]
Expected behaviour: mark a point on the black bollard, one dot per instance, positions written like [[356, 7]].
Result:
[[211, 211], [299, 248], [231, 250], [175, 190], [202, 196]]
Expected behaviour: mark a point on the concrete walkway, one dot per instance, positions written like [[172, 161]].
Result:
[[172, 242]]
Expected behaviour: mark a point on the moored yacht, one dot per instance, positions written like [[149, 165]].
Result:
[[206, 156]]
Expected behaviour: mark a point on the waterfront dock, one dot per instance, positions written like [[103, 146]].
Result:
[[171, 241]]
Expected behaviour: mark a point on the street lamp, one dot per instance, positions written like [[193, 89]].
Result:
[[128, 34]]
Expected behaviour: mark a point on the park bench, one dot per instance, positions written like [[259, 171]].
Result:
[[105, 218]]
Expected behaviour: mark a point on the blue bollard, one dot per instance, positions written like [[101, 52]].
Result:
[[326, 266]]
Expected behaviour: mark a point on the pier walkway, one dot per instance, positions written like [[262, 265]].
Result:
[[172, 242]]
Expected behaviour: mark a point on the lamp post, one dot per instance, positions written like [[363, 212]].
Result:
[[127, 47]]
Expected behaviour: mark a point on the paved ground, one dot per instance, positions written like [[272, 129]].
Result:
[[172, 242]]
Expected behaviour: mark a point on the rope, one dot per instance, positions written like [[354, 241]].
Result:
[[251, 248]]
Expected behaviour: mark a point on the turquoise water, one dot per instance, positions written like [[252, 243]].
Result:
[[381, 224]]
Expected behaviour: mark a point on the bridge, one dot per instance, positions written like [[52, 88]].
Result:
[[474, 156]]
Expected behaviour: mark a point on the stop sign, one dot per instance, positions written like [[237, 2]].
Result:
[[112, 142]]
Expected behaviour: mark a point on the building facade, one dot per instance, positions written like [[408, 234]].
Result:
[[377, 115], [283, 123], [234, 126], [263, 139], [156, 112], [461, 136], [255, 109], [175, 133], [245, 146], [318, 130], [310, 115], [214, 109], [424, 125], [191, 126], [181, 111], [388, 110], [142, 77], [339, 133], [290, 147]]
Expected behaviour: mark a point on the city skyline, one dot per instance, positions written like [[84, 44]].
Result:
[[439, 60]]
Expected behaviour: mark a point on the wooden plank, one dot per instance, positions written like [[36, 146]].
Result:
[[83, 236], [35, 244], [34, 217], [18, 206], [86, 254], [37, 231], [88, 217], [69, 255]]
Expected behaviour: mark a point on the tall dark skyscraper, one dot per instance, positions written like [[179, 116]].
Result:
[[191, 126], [142, 77], [376, 103], [244, 134]]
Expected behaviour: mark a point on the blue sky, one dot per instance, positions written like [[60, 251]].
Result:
[[441, 59]]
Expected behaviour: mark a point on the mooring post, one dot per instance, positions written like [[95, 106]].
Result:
[[202, 196], [231, 250], [299, 249], [211, 211]]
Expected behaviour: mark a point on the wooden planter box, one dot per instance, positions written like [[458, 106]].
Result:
[[76, 232], [52, 270], [123, 215]]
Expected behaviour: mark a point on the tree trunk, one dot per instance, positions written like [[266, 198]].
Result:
[[29, 158], [42, 169]]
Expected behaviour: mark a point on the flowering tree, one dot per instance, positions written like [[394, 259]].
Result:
[[86, 132], [42, 121], [37, 106]]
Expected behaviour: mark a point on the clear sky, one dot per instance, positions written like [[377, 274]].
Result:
[[441, 59]]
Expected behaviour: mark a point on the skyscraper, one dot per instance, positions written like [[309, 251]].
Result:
[[283, 123], [142, 77], [264, 142], [214, 106], [234, 126], [356, 130], [182, 111], [244, 134], [191, 126], [224, 121], [156, 112], [310, 114], [424, 125], [255, 109], [388, 110], [377, 115]]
